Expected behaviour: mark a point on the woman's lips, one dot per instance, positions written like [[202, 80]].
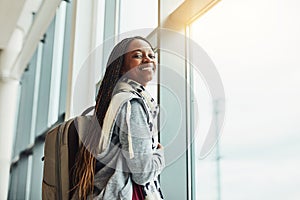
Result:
[[146, 68]]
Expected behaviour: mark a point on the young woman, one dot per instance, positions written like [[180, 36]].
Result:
[[124, 160]]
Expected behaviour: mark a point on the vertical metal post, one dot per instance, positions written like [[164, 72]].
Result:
[[217, 156]]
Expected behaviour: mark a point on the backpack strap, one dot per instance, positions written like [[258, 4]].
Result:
[[114, 107], [87, 111], [73, 148]]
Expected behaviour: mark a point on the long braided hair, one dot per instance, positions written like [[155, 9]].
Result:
[[86, 162]]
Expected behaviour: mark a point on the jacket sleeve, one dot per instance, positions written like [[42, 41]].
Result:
[[143, 162]]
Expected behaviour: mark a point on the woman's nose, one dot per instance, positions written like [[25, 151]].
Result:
[[146, 59]]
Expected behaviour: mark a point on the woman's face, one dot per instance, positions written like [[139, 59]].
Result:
[[139, 62]]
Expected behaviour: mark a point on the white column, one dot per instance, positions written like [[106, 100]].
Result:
[[9, 93]]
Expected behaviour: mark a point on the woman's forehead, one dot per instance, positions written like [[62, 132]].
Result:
[[138, 44]]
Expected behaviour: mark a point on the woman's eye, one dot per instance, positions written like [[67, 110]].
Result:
[[152, 56], [138, 56]]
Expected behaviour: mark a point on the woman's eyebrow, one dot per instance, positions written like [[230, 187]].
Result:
[[135, 50], [139, 50]]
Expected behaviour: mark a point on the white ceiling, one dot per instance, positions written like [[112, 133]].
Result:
[[10, 11]]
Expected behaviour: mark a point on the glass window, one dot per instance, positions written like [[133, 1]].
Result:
[[35, 190], [24, 122], [18, 179], [45, 78], [138, 14], [57, 61], [206, 170], [257, 59], [65, 60]]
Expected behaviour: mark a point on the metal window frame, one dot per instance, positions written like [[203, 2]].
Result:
[[179, 20]]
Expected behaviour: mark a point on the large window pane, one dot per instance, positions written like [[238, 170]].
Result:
[[45, 80], [257, 58], [23, 130], [37, 171], [57, 61], [138, 14], [65, 61], [206, 178]]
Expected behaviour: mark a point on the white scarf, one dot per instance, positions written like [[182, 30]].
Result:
[[129, 85], [125, 90]]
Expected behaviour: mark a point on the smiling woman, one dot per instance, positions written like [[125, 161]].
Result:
[[140, 63], [129, 162]]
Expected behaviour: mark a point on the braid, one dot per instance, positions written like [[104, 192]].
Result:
[[110, 79]]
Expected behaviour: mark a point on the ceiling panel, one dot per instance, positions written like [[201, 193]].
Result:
[[10, 11]]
